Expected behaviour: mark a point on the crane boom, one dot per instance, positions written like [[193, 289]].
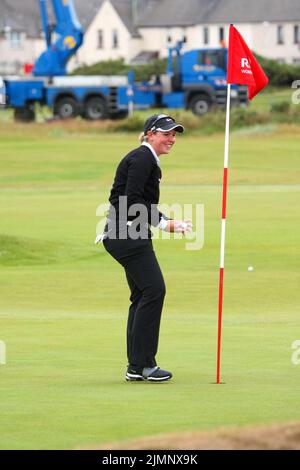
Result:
[[62, 39]]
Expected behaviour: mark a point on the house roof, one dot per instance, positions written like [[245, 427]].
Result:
[[20, 16], [144, 57], [128, 12], [174, 12], [25, 14], [243, 11], [191, 12]]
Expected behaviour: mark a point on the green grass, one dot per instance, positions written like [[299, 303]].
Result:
[[264, 101], [64, 301]]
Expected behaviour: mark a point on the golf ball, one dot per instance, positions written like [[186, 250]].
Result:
[[250, 268]]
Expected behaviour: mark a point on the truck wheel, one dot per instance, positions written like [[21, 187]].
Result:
[[66, 108], [200, 104], [25, 114], [95, 108]]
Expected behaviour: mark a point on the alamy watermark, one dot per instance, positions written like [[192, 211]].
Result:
[[295, 358], [296, 94], [136, 220], [2, 353]]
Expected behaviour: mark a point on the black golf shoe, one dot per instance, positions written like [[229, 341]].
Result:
[[134, 374], [156, 375]]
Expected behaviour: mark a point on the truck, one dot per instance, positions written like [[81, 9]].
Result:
[[193, 80]]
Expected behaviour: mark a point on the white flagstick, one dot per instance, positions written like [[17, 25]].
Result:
[[223, 229]]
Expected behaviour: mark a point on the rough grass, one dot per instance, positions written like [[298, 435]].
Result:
[[276, 437], [272, 107]]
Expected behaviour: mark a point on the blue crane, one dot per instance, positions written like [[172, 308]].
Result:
[[63, 38]]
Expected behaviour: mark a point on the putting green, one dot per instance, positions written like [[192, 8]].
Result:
[[64, 301]]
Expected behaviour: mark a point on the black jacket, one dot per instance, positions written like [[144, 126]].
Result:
[[138, 177]]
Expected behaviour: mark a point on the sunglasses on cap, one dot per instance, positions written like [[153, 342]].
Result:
[[167, 123]]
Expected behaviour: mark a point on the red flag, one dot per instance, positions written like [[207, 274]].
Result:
[[243, 68]]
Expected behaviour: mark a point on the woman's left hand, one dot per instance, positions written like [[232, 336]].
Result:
[[180, 226]]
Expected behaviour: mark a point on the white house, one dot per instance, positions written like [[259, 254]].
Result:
[[138, 30], [109, 35], [270, 27], [21, 41]]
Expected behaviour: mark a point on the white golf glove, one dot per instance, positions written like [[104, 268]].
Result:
[[99, 238], [179, 226]]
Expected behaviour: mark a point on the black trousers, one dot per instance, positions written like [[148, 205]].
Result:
[[148, 290]]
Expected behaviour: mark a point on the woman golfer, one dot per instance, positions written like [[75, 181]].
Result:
[[133, 209]]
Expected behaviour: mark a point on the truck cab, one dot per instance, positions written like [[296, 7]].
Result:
[[198, 79]]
